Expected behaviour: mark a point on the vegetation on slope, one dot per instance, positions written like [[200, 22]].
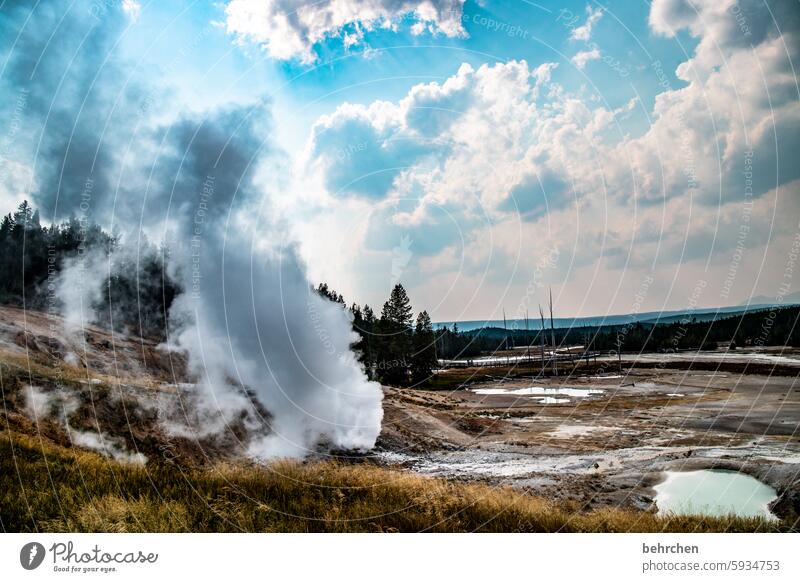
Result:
[[137, 291], [45, 487]]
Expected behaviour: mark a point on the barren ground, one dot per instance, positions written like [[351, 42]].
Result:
[[602, 448], [607, 447]]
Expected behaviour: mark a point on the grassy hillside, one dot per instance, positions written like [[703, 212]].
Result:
[[45, 487]]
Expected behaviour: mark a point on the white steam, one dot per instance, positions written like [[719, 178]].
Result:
[[256, 323], [79, 287], [60, 404], [40, 404], [106, 445], [248, 319]]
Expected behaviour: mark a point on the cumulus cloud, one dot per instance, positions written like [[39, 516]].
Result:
[[506, 142], [583, 57], [741, 95], [441, 137], [724, 28], [483, 130], [584, 32], [291, 29]]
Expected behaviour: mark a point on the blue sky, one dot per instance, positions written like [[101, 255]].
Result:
[[479, 152], [216, 70]]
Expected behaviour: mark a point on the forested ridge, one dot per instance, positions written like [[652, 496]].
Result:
[[136, 293], [777, 326]]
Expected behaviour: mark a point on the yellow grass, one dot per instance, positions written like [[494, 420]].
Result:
[[46, 487]]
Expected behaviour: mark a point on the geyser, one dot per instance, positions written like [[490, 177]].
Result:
[[247, 319]]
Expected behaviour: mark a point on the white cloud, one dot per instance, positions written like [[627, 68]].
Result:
[[667, 17], [486, 131], [519, 164], [583, 57], [472, 140], [132, 8], [585, 32], [290, 29]]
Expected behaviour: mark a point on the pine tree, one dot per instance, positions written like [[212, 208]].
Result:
[[398, 308], [395, 338], [369, 315], [423, 360], [360, 346], [6, 226], [369, 354], [139, 292], [329, 293], [24, 215]]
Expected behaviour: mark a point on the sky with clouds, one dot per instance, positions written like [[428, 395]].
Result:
[[632, 156]]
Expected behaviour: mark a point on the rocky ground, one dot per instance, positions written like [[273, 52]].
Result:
[[33, 337], [601, 440]]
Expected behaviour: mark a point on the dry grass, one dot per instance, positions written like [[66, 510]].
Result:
[[45, 487]]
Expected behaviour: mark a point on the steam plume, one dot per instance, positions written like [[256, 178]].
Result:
[[247, 320]]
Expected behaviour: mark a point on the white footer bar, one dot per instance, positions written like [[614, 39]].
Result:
[[407, 557]]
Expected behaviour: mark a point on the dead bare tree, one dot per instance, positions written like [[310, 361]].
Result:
[[541, 335], [527, 338], [553, 335], [505, 336]]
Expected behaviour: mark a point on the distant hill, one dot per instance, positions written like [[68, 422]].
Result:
[[738, 327], [758, 303], [790, 299]]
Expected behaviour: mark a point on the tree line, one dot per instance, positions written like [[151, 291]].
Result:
[[395, 348], [776, 326], [137, 293], [394, 351]]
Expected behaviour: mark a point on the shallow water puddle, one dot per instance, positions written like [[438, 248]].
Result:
[[552, 400], [714, 492], [577, 430], [541, 391]]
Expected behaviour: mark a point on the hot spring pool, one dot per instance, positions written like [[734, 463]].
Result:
[[714, 492]]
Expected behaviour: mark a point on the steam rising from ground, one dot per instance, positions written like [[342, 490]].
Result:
[[105, 445], [60, 405], [79, 291], [255, 324], [248, 320]]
